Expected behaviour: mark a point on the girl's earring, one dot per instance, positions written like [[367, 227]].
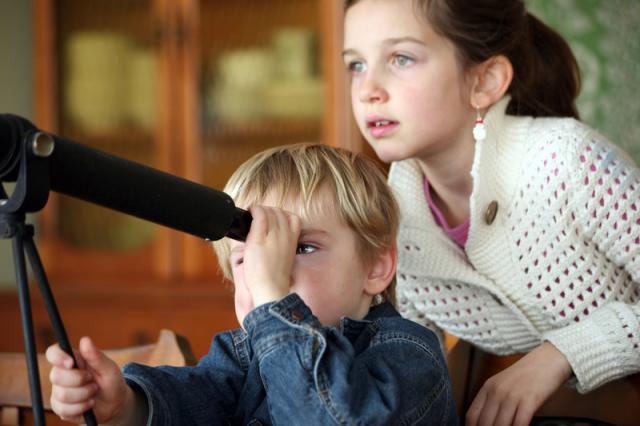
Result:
[[479, 130]]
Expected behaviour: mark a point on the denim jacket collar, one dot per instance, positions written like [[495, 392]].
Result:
[[349, 327]]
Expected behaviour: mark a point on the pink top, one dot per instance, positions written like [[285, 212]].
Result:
[[458, 234]]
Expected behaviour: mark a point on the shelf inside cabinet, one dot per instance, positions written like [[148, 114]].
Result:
[[65, 260], [266, 81], [272, 130], [127, 142]]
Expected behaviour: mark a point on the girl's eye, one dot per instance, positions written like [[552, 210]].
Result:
[[238, 261], [305, 248], [402, 60], [356, 67]]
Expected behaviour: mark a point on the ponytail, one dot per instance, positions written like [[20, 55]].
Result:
[[546, 74]]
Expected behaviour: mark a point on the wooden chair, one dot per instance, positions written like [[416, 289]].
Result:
[[170, 349], [616, 403]]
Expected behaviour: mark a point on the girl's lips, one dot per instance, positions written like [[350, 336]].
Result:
[[381, 128]]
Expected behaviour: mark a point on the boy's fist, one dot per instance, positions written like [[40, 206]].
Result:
[[97, 384]]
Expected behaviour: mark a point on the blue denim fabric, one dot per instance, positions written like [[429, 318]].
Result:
[[288, 369]]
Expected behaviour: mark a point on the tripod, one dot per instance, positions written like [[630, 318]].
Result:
[[30, 195]]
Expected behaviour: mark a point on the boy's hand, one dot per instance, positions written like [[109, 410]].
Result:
[[97, 384], [269, 253], [512, 396]]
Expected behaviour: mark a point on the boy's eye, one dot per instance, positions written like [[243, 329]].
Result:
[[305, 248], [402, 60], [356, 67]]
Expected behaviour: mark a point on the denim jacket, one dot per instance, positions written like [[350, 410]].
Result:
[[288, 369]]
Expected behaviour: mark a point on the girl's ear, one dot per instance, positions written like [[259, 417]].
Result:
[[381, 271], [491, 79]]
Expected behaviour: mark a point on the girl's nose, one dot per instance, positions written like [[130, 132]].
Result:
[[372, 90]]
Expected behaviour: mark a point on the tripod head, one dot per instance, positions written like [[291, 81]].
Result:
[[24, 152]]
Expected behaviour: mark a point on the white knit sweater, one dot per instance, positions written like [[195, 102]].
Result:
[[560, 262]]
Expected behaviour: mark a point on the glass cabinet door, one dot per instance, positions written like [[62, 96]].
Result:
[[104, 69]]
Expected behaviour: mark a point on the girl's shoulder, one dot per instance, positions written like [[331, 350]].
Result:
[[559, 130], [567, 153], [569, 139]]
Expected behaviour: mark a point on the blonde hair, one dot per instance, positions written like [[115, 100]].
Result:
[[361, 197]]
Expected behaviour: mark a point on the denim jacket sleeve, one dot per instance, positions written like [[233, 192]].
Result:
[[317, 374], [204, 394]]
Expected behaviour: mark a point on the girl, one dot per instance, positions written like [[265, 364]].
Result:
[[520, 230]]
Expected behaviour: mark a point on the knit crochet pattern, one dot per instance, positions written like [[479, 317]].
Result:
[[560, 262]]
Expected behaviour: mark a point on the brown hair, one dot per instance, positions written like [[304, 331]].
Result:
[[361, 196], [546, 78]]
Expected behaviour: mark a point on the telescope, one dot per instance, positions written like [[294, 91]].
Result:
[[48, 162], [39, 162]]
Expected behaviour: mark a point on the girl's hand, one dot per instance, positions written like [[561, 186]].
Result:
[[97, 384], [512, 396], [269, 253]]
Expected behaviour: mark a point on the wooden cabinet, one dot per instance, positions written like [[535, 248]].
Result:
[[192, 88]]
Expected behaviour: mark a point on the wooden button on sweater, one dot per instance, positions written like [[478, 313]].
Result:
[[490, 213]]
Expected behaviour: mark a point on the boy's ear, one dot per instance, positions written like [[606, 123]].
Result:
[[491, 80], [381, 271]]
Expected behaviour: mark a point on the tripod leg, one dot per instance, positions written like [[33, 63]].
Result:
[[27, 330], [52, 310]]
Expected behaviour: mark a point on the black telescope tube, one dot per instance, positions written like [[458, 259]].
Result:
[[132, 188], [140, 191]]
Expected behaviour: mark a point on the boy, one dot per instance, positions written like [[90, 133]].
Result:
[[320, 341]]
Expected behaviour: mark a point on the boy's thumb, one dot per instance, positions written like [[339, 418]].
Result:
[[95, 359]]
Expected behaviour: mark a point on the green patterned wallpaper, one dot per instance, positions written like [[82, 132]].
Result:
[[605, 37]]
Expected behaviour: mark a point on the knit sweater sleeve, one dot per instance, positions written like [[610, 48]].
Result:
[[604, 208], [408, 310]]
